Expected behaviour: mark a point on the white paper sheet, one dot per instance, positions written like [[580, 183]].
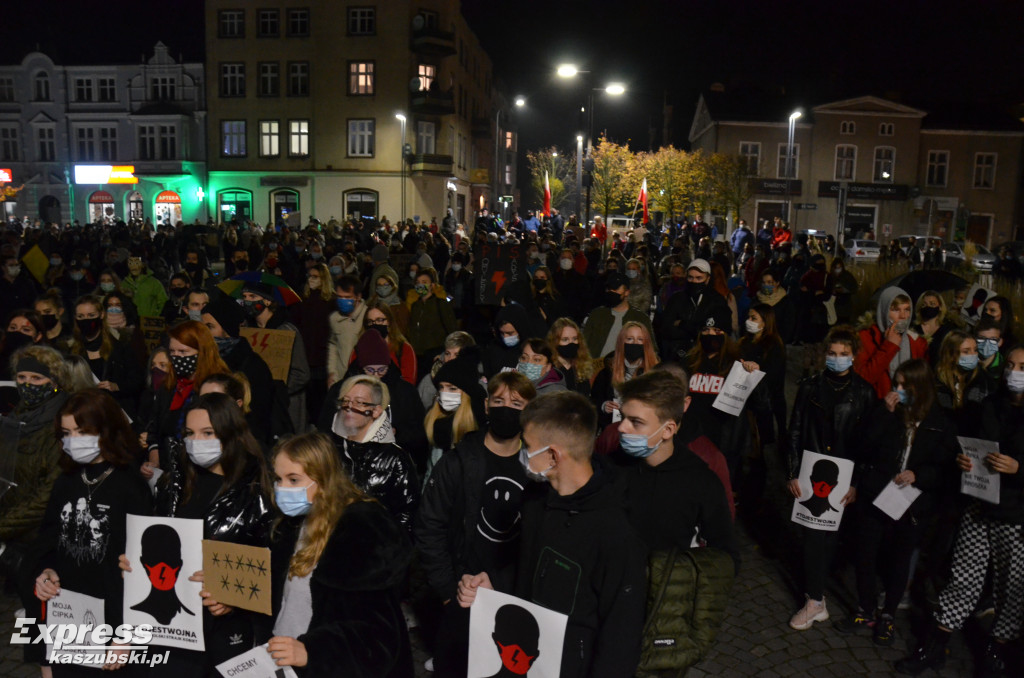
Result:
[[981, 481], [894, 500], [737, 389]]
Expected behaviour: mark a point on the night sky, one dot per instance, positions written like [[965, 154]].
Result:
[[921, 53]]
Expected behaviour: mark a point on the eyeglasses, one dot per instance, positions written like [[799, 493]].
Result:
[[348, 403], [375, 371], [377, 323]]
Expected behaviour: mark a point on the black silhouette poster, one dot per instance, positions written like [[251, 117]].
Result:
[[824, 481], [237, 575], [511, 637], [163, 554]]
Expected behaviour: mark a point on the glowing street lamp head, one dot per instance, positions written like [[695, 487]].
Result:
[[554, 155], [579, 137], [400, 117], [520, 101], [615, 89], [795, 115], [567, 71]]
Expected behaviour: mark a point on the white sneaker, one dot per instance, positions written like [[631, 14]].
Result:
[[812, 611], [429, 665]]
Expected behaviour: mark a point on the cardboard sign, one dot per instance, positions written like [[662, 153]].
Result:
[[237, 575], [498, 268], [152, 329], [737, 389], [274, 346], [824, 481], [69, 607], [256, 663], [974, 304], [37, 263], [510, 636], [981, 481], [163, 554]]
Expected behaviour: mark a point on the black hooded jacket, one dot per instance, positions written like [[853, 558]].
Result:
[[497, 356]]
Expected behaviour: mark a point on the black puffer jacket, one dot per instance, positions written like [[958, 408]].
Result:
[[385, 472], [1002, 420]]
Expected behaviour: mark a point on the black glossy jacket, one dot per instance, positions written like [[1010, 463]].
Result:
[[384, 471]]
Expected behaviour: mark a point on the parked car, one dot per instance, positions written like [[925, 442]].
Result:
[[953, 255], [863, 250]]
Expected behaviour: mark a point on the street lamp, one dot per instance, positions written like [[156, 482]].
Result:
[[519, 101], [793, 117], [579, 173], [567, 71], [401, 118]]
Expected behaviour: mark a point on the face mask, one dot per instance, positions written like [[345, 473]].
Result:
[[184, 365], [565, 264], [314, 283], [929, 312], [162, 576], [252, 309], [179, 292], [34, 394], [1014, 381], [107, 286], [271, 262], [456, 267], [422, 290], [192, 266], [511, 341], [633, 352], [157, 377], [76, 275], [241, 265], [986, 347], [83, 449], [524, 458], [503, 422], [568, 351], [317, 256], [449, 401], [635, 444], [838, 364], [49, 322], [384, 290], [530, 371], [904, 396], [767, 289], [88, 326], [413, 274], [116, 310], [901, 326], [13, 271], [293, 501], [539, 285], [968, 362], [336, 270], [203, 453], [194, 314], [56, 262], [695, 289], [753, 326], [712, 343], [612, 299], [346, 306]]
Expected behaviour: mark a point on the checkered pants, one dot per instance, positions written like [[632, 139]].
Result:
[[978, 541]]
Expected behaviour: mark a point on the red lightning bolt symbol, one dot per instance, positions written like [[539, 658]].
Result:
[[499, 280]]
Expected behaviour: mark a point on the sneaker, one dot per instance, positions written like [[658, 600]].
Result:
[[858, 621], [904, 603], [885, 631], [931, 655], [429, 665], [812, 611], [991, 664], [985, 607]]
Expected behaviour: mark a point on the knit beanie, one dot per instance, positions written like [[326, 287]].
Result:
[[226, 312], [371, 349]]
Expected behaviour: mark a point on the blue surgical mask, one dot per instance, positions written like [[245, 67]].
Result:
[[542, 476], [904, 396], [293, 501], [767, 289], [838, 364], [346, 306], [1015, 381], [336, 270], [511, 341], [968, 362], [635, 444], [988, 347], [530, 371]]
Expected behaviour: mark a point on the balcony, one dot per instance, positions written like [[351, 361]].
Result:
[[432, 102], [482, 128], [430, 163], [433, 42]]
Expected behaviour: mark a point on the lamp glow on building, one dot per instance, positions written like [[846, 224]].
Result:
[[790, 166], [401, 118]]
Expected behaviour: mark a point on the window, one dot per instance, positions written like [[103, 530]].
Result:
[[163, 88], [360, 77], [108, 144], [426, 137], [885, 164], [985, 170], [298, 137], [789, 167], [427, 73], [750, 151], [46, 143], [360, 138], [510, 141], [42, 87], [508, 175], [168, 142], [6, 90], [298, 23], [9, 144], [107, 89], [298, 79], [232, 80], [147, 142], [847, 127], [231, 23], [462, 152], [83, 89], [429, 19], [886, 129], [232, 138], [938, 168], [270, 138], [362, 21], [270, 79], [268, 23], [86, 137], [846, 162]]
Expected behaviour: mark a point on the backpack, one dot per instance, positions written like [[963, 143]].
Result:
[[687, 593]]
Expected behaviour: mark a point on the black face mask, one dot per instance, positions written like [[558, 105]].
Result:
[[191, 267], [930, 312], [712, 343], [612, 299], [382, 329], [89, 326], [49, 322], [184, 365], [15, 340], [633, 352], [241, 265], [539, 285], [179, 292], [503, 422], [569, 351], [695, 289]]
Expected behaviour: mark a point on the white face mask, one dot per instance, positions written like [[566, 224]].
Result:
[[83, 449], [203, 453], [566, 264], [314, 283], [1015, 381], [753, 326], [449, 401]]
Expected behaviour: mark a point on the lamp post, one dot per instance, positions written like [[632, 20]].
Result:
[[401, 118], [579, 173], [519, 102], [790, 160]]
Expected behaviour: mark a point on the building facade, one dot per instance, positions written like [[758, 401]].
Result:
[[104, 141], [869, 166], [326, 109]]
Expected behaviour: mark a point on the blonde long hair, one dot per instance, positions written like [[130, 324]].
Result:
[[326, 291], [336, 491], [948, 371], [463, 422], [584, 362]]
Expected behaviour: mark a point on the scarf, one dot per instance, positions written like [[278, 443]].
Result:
[[773, 298], [182, 392]]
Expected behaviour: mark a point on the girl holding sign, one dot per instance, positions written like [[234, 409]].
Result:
[[84, 527]]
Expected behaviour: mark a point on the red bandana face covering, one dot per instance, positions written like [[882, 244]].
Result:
[[162, 576], [822, 489], [515, 660]]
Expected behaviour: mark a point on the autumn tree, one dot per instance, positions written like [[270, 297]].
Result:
[[730, 185], [561, 169], [612, 179]]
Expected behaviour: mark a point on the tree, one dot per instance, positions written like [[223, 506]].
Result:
[[561, 169], [612, 178], [730, 183]]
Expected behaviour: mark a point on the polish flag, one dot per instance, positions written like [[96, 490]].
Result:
[[643, 199], [547, 196]]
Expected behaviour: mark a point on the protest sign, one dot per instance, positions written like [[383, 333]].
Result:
[[737, 389], [894, 500], [508, 634], [237, 575], [163, 553], [499, 268], [152, 331], [81, 610], [274, 346], [981, 481], [256, 663], [824, 481]]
